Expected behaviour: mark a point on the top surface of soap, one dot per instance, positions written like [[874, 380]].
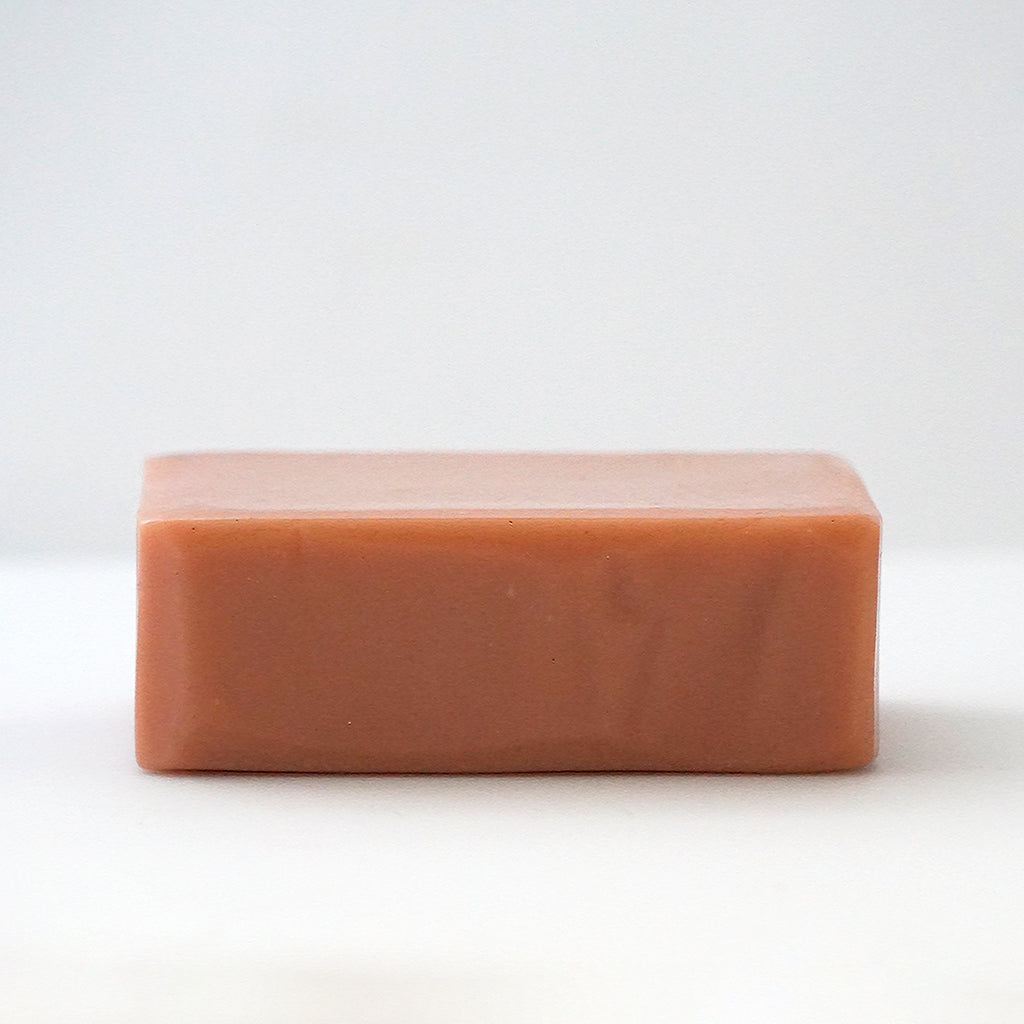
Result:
[[223, 485]]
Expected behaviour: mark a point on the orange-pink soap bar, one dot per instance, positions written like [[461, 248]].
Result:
[[489, 612]]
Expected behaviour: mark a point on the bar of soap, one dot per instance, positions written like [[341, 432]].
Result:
[[432, 612]]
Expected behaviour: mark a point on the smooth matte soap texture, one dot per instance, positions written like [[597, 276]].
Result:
[[476, 612]]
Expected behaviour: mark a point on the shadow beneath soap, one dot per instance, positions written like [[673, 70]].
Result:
[[914, 739], [948, 740]]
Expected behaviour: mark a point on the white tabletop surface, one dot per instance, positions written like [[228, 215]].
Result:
[[890, 895]]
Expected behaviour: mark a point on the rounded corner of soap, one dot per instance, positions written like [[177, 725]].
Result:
[[865, 756], [160, 747], [174, 531], [862, 750], [145, 749], [856, 528]]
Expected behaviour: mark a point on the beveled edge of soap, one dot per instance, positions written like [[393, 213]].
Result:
[[168, 497]]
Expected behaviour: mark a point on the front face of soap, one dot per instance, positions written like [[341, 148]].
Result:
[[497, 613]]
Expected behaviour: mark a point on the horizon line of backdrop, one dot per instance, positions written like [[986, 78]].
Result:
[[549, 226]]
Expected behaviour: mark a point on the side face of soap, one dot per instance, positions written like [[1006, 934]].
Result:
[[412, 612]]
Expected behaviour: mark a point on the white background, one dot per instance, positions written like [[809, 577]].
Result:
[[521, 225]]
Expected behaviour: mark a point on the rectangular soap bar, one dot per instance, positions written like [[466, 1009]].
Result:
[[432, 612]]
